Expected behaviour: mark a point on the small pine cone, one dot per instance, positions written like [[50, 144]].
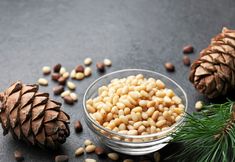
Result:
[[213, 73], [32, 116]]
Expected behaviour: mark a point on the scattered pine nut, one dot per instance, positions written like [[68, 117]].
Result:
[[100, 67], [79, 76], [107, 62], [87, 142], [74, 96], [62, 70], [57, 67], [73, 74], [188, 49], [79, 69], [46, 70], [169, 67], [78, 126], [42, 82], [58, 89], [66, 75], [113, 156], [90, 148], [71, 85], [198, 105], [87, 71], [79, 151], [99, 151], [68, 100], [65, 93], [90, 160], [87, 61], [55, 76]]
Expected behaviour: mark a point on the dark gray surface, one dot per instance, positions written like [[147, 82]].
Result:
[[133, 33]]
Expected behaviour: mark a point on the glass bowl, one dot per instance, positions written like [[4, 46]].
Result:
[[132, 144]]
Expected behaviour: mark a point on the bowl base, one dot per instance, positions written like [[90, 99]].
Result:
[[137, 151]]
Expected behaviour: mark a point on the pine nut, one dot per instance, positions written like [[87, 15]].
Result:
[[62, 70], [66, 75], [198, 105], [71, 85], [74, 96], [160, 84], [73, 74], [160, 123], [90, 148], [87, 142], [113, 156], [90, 160], [132, 132], [46, 70], [65, 93], [137, 109], [107, 62], [87, 71], [87, 61], [79, 151], [42, 82], [135, 94], [141, 129], [155, 115], [79, 76]]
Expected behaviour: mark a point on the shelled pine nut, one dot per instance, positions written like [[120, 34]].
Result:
[[79, 151], [87, 61], [113, 156], [46, 70], [90, 160], [87, 142], [90, 148], [42, 82]]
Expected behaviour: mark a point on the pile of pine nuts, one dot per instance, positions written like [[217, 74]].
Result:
[[60, 75], [136, 106]]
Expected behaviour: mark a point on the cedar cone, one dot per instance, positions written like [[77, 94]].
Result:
[[213, 73], [32, 116]]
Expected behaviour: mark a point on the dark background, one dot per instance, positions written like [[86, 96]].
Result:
[[132, 33]]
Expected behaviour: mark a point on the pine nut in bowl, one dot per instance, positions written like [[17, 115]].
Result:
[[134, 111]]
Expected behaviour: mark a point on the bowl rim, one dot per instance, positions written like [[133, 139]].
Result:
[[161, 133]]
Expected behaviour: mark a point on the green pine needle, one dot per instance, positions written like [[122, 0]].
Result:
[[208, 135]]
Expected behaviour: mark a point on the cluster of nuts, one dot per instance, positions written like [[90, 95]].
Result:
[[186, 60], [136, 106], [89, 147], [61, 75]]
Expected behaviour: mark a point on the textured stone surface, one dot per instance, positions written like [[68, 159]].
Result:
[[132, 33]]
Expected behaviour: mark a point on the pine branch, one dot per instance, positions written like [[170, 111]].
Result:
[[208, 136]]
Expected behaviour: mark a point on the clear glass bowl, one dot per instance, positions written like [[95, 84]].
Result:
[[132, 144]]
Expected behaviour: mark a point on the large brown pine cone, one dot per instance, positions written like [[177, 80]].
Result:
[[32, 116], [213, 73]]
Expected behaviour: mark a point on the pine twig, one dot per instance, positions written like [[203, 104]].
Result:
[[208, 136]]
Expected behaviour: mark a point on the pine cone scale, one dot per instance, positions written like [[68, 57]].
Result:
[[41, 137]]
